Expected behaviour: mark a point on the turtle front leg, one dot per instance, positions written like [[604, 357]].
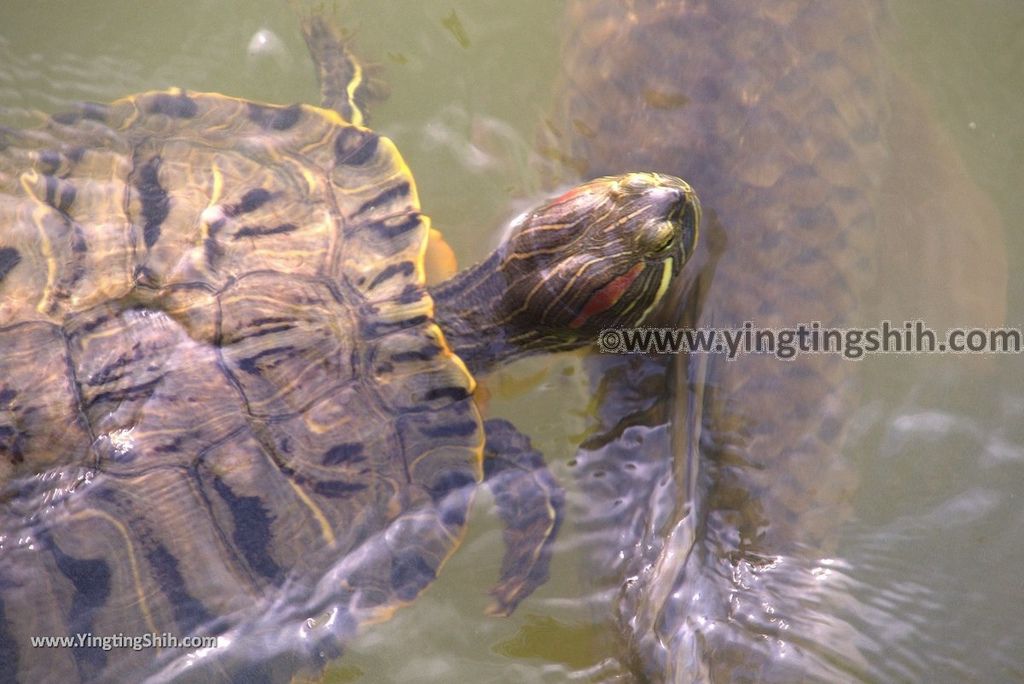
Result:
[[530, 503]]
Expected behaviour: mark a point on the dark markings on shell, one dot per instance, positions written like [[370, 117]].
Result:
[[424, 354], [141, 391], [453, 517], [94, 111], [59, 194], [336, 489], [76, 266], [179, 106], [110, 372], [66, 118], [384, 197], [393, 226], [405, 268], [287, 470], [410, 294], [9, 258], [454, 480], [265, 320], [91, 579], [268, 331], [78, 246], [174, 446], [355, 146], [11, 441], [251, 201], [49, 162], [51, 189], [7, 396], [410, 574], [155, 202], [454, 393], [410, 322], [91, 111], [144, 277], [463, 429], [251, 364], [212, 251], [376, 329], [346, 452], [95, 323], [449, 483], [216, 225], [252, 533], [271, 118], [259, 231], [189, 612], [65, 286]]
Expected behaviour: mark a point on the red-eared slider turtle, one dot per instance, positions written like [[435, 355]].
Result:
[[228, 403]]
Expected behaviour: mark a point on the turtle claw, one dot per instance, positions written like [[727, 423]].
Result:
[[530, 503]]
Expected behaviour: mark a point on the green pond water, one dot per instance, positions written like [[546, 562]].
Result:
[[938, 532]]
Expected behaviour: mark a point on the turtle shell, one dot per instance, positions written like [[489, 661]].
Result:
[[220, 379]]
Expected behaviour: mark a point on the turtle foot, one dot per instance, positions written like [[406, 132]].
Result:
[[530, 503]]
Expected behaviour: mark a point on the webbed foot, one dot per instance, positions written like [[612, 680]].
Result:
[[530, 503]]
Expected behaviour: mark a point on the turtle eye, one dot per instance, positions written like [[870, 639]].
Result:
[[657, 237]]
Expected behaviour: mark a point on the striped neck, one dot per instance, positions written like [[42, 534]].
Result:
[[482, 327], [600, 255]]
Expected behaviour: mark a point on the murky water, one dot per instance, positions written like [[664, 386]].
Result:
[[937, 542]]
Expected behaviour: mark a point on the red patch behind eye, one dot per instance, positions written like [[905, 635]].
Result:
[[570, 194], [607, 296]]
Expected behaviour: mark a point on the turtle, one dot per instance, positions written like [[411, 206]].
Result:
[[230, 406], [719, 485]]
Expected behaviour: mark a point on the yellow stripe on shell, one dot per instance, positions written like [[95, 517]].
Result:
[[212, 211], [39, 213], [218, 184], [325, 526], [132, 561], [435, 332]]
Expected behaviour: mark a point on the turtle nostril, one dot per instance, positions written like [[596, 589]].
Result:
[[669, 200]]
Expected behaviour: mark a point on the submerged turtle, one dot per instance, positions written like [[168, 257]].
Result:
[[229, 405], [719, 486]]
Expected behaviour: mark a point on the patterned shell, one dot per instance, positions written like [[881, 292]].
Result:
[[218, 372]]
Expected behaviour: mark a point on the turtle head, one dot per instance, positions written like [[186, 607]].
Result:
[[600, 255]]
